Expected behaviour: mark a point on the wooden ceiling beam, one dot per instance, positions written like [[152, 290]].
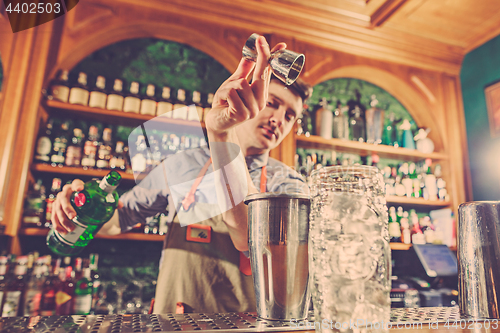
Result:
[[384, 12]]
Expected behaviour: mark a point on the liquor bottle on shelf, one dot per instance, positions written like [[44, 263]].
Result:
[[340, 122], [163, 223], [117, 161], [34, 289], [406, 180], [56, 188], [126, 156], [165, 103], [407, 140], [165, 145], [3, 278], [405, 229], [430, 190], [195, 142], [208, 104], [12, 304], [90, 148], [156, 155], [324, 120], [394, 227], [94, 206], [34, 207], [390, 134], [185, 142], [44, 143], [95, 279], [65, 296], [98, 94], [374, 117], [104, 152], [60, 144], [74, 150], [59, 88], [148, 103], [79, 93], [357, 126], [152, 224], [180, 109], [139, 160], [115, 96], [83, 293], [399, 188], [132, 102], [195, 112], [50, 287], [415, 180]]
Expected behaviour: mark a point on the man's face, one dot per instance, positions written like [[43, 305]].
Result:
[[274, 122]]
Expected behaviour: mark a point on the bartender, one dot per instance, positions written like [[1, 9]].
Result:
[[204, 265]]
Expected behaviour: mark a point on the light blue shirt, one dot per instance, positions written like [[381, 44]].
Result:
[[151, 195]]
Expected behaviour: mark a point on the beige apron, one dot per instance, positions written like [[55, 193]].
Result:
[[204, 276]]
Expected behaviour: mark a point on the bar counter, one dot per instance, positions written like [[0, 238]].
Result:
[[425, 320]]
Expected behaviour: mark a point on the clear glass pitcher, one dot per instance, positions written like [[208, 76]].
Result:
[[350, 256]]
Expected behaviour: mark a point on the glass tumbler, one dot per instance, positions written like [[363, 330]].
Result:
[[350, 257]]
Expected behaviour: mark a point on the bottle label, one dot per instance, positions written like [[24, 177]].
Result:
[[193, 113], [60, 93], [180, 111], [43, 148], [89, 152], [117, 163], [11, 303], [78, 96], [102, 164], [132, 104], [57, 158], [83, 304], [164, 107], [48, 208], [32, 305], [115, 102], [148, 107], [73, 156], [394, 229], [62, 297], [71, 237], [97, 99], [139, 163]]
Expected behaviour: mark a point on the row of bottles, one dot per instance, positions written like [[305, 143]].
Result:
[[147, 100], [413, 180], [63, 143], [47, 286], [356, 123], [409, 228]]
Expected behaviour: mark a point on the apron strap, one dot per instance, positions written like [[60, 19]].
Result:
[[263, 180], [245, 267], [189, 198]]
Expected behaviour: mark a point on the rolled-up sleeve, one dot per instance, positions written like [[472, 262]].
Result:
[[144, 200]]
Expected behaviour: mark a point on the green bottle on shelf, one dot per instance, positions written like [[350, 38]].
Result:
[[94, 206]]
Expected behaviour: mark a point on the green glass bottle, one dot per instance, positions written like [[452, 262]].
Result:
[[94, 206]]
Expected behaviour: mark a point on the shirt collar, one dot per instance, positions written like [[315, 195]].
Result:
[[257, 161]]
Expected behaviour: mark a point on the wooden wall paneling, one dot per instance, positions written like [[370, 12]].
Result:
[[333, 31], [86, 34], [13, 92], [459, 173], [36, 49]]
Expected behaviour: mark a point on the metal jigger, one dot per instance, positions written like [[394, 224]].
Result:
[[285, 64]]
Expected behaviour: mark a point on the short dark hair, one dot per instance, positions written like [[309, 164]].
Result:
[[300, 87]]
